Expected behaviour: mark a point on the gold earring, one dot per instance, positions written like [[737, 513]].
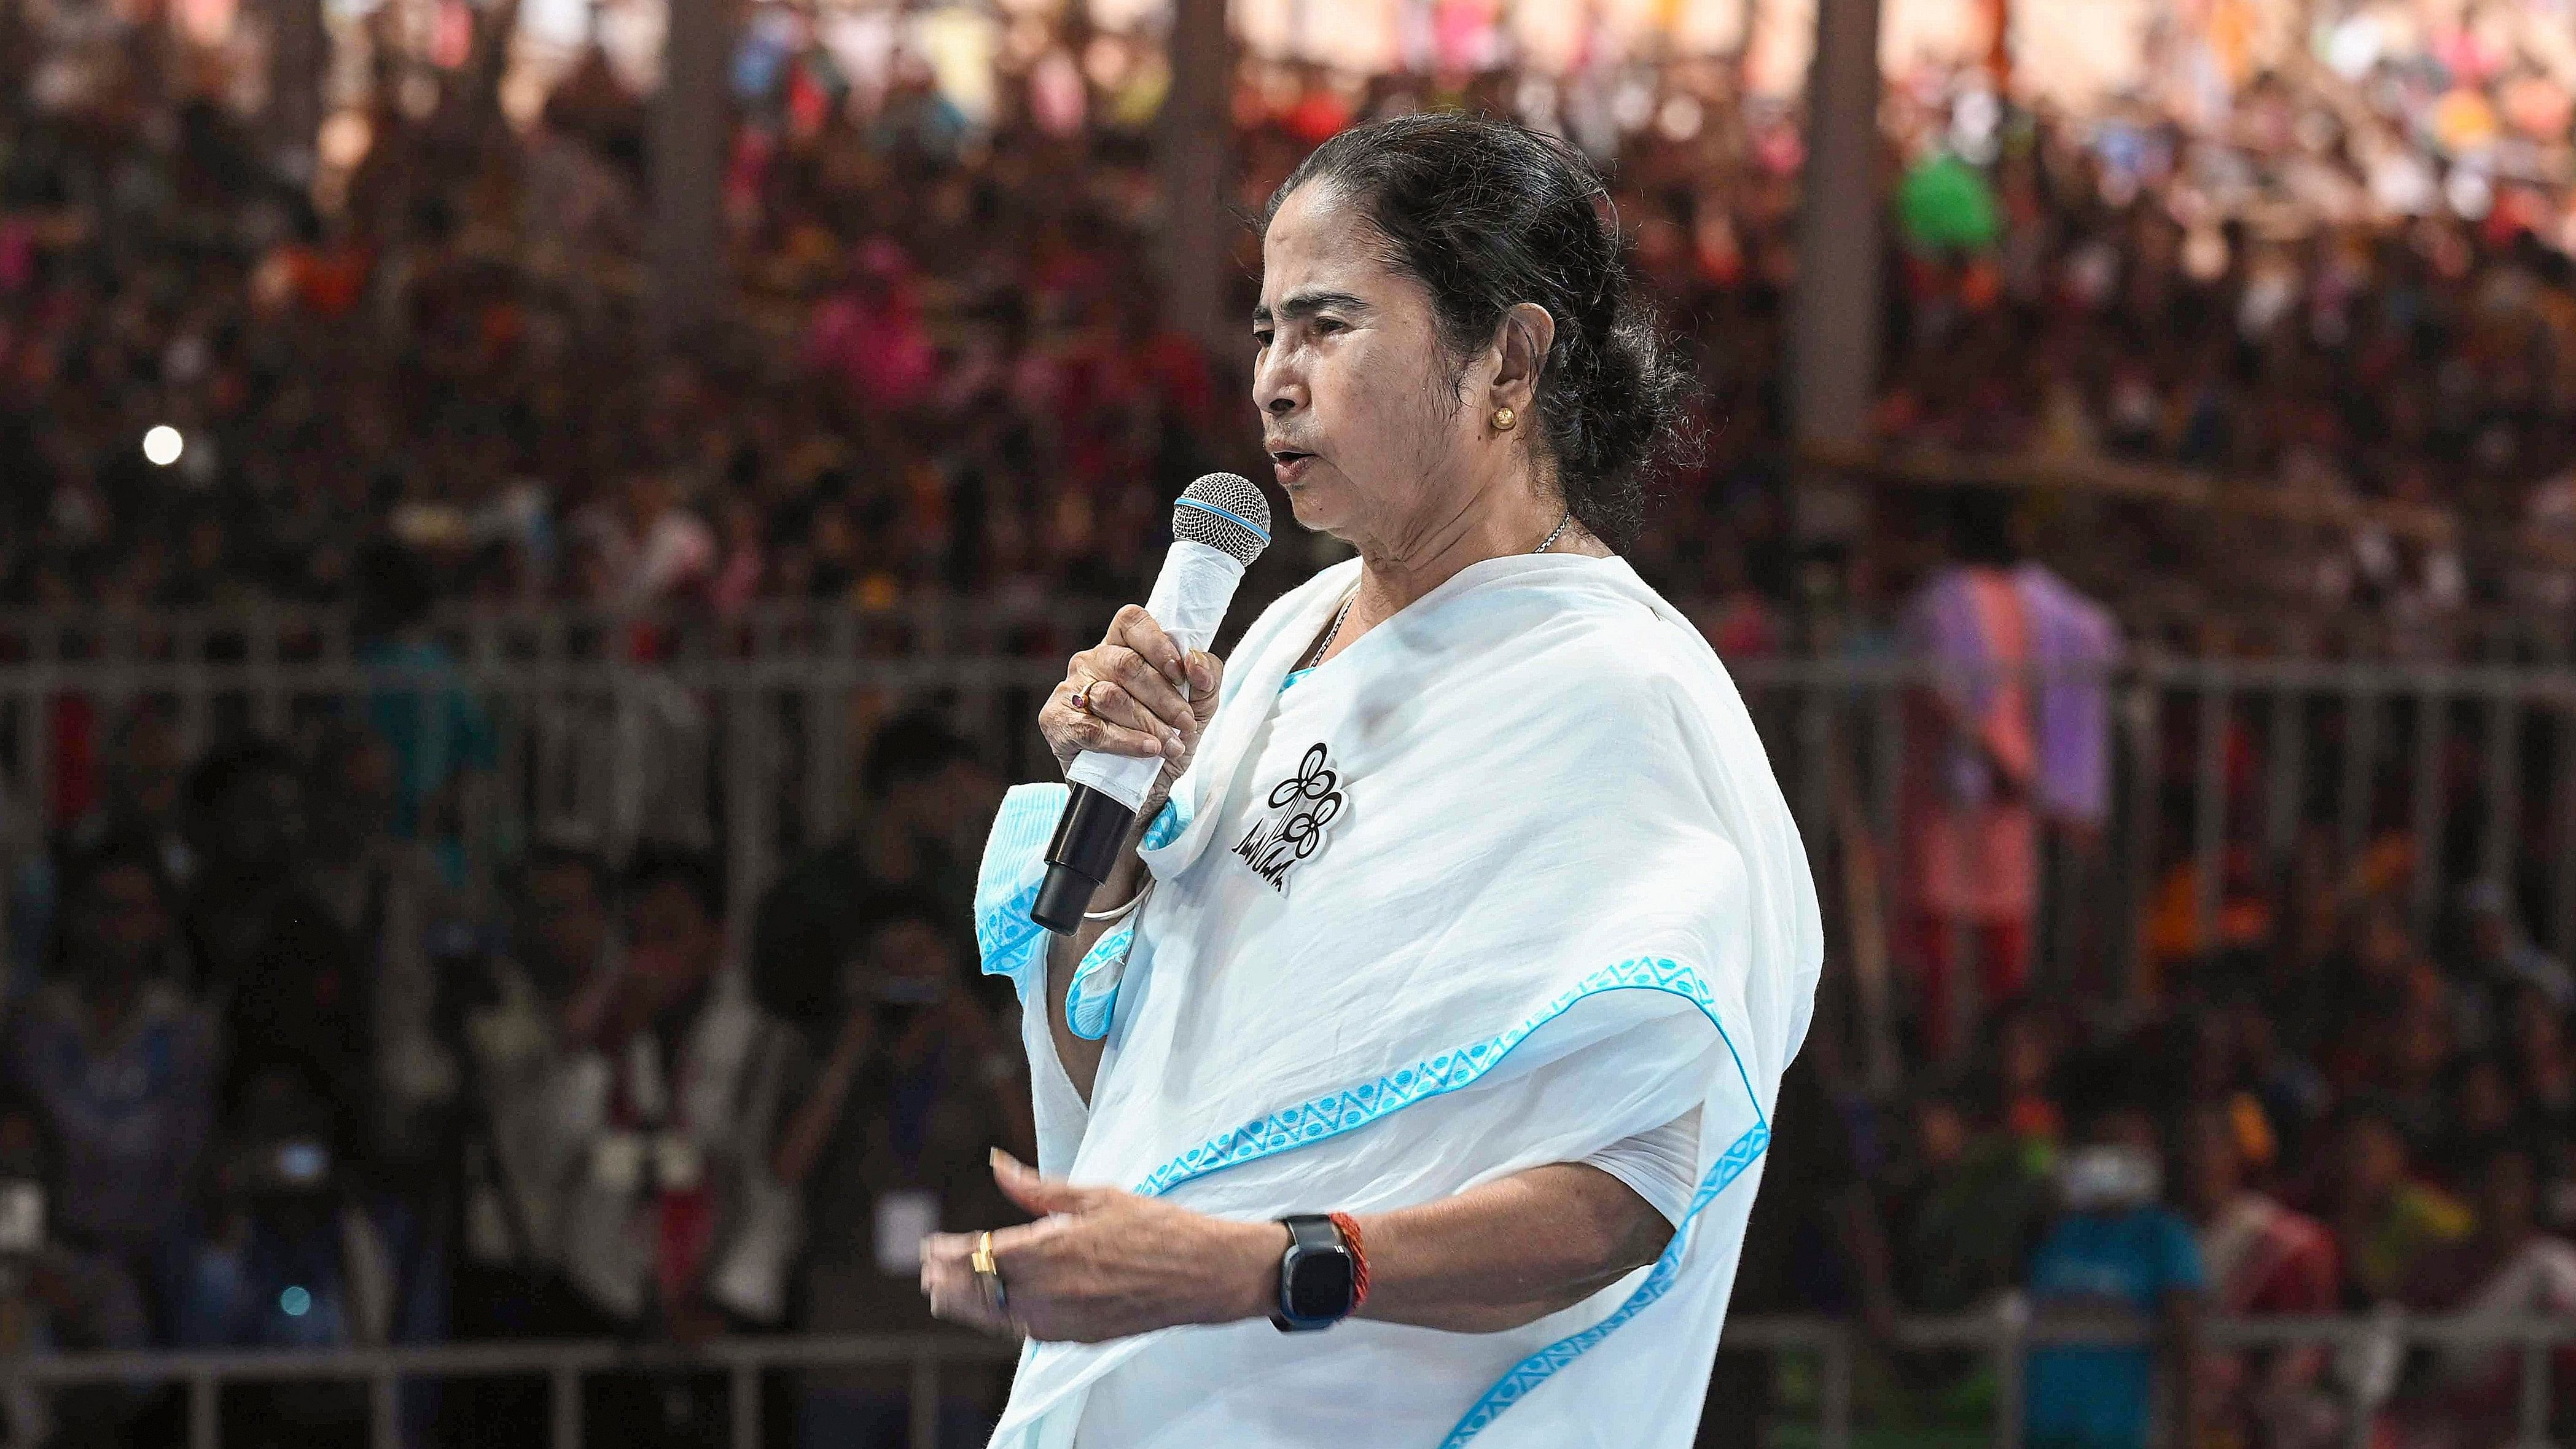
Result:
[[1504, 420]]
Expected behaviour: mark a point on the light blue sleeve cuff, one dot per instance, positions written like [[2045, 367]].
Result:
[[1006, 890], [1006, 885], [1091, 1002]]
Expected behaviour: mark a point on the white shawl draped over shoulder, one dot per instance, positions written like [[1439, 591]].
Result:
[[1506, 882]]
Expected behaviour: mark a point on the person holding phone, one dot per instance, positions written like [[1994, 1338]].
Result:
[[295, 1261], [888, 1143]]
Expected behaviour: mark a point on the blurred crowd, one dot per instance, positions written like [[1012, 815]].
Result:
[[938, 371], [941, 363], [2339, 1122], [275, 1074], [277, 1071]]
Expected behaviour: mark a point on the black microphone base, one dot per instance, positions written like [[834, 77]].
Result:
[[1083, 854]]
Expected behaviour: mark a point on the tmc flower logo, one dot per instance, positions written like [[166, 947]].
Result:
[[1302, 805]]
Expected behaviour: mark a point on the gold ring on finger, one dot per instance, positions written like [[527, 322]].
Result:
[[1081, 700], [988, 1274]]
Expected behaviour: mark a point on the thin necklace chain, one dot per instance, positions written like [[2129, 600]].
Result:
[[1344, 612], [1334, 632]]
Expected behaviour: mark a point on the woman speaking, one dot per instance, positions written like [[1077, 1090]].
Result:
[[1409, 1082]]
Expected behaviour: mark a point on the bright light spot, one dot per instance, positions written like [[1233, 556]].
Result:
[[1680, 118], [2353, 47], [1632, 106], [345, 139], [296, 1302], [2469, 195], [162, 446]]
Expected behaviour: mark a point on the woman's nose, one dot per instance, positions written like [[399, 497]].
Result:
[[1276, 388]]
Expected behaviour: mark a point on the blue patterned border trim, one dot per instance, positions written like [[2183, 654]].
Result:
[[1539, 1367], [1005, 934], [1356, 1107]]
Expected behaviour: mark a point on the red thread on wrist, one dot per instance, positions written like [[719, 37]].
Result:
[[1350, 1230]]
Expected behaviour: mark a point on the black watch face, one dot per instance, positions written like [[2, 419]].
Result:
[[1321, 1287]]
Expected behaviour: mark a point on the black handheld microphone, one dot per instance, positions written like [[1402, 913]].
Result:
[[1219, 526]]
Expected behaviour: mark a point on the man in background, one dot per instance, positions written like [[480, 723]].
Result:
[[676, 1228], [522, 1138], [2116, 1253], [122, 1063], [564, 964], [926, 802], [2012, 733]]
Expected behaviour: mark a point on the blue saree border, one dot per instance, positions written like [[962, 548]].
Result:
[[1541, 1366], [1355, 1107], [1333, 1114]]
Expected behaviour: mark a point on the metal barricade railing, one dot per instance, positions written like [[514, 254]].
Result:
[[562, 1365], [2008, 1333], [2216, 766], [2174, 616]]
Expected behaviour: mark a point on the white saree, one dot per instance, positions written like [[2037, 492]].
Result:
[[1505, 883]]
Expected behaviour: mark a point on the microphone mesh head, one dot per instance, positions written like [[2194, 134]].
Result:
[[1224, 510]]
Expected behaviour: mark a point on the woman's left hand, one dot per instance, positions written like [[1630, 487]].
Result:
[[1101, 1264]]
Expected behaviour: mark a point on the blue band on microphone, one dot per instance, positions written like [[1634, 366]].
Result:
[[1258, 531]]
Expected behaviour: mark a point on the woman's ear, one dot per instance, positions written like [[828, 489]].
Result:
[[1522, 340]]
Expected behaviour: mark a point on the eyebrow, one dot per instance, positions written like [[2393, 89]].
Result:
[[1306, 304]]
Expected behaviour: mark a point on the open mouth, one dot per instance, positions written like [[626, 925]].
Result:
[[1289, 463]]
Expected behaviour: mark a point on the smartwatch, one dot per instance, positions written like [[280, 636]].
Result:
[[1317, 1281]]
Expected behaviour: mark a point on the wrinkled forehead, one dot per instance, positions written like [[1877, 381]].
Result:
[[1319, 244]]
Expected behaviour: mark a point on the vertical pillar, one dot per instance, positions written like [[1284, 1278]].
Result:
[[296, 64], [1834, 336], [1192, 151], [17, 50], [689, 277]]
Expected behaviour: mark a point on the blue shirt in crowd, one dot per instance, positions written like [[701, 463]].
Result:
[[2121, 1262]]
